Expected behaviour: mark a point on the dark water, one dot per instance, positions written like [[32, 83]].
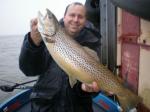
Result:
[[9, 70]]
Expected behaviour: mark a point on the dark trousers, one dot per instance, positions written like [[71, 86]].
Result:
[[38, 105], [44, 105]]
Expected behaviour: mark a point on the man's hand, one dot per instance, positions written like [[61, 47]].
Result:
[[35, 34], [90, 87]]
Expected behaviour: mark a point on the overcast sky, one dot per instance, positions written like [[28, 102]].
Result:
[[15, 15]]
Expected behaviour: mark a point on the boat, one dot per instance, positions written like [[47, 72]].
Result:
[[21, 101]]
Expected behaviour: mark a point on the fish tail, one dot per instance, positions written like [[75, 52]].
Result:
[[128, 100]]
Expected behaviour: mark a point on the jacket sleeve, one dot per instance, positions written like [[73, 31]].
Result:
[[32, 59]]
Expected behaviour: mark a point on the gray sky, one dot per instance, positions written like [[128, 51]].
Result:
[[15, 15]]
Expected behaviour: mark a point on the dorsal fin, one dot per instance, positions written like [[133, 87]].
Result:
[[92, 53]]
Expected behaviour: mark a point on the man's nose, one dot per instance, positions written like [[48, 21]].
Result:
[[76, 18]]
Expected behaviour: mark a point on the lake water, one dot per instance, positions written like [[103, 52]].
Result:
[[10, 47]]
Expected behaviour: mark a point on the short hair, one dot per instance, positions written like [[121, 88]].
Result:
[[74, 3]]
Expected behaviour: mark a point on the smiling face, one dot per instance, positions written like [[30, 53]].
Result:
[[74, 19]]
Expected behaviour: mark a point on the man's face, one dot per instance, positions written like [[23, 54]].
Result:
[[74, 19]]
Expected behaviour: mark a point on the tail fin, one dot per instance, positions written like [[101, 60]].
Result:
[[128, 100]]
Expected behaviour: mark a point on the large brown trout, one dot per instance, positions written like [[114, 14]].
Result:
[[78, 63]]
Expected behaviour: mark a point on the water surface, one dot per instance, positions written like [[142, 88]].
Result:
[[10, 47]]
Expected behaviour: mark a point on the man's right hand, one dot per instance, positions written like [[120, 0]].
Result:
[[35, 34]]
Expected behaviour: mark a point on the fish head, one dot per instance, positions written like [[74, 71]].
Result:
[[48, 24]]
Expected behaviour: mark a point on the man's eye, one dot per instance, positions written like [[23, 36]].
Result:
[[81, 17], [72, 15]]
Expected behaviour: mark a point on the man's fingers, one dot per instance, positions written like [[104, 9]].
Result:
[[90, 87], [33, 24], [83, 87], [87, 87], [34, 21], [96, 88]]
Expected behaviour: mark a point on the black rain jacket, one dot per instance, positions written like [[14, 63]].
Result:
[[52, 87]]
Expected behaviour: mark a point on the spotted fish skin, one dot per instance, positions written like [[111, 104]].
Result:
[[78, 63]]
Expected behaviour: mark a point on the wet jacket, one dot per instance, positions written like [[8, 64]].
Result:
[[53, 84]]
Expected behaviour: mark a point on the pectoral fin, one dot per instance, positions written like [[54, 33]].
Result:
[[72, 81]]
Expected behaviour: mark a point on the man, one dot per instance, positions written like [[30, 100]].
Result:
[[52, 92]]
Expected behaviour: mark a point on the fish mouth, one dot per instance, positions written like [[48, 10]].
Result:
[[49, 13]]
